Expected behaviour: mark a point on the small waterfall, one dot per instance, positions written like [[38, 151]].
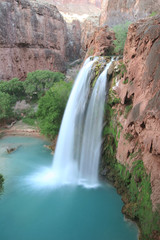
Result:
[[77, 153]]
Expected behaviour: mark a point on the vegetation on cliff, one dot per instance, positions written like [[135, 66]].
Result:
[[121, 35], [132, 182]]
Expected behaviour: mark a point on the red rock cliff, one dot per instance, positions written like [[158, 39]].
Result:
[[118, 11], [142, 60], [32, 36]]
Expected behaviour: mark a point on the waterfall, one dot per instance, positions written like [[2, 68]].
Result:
[[77, 153]]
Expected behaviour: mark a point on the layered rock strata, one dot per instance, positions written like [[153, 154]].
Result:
[[32, 36]]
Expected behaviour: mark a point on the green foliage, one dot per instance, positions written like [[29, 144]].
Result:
[[5, 106], [51, 108], [14, 88], [38, 82], [30, 117], [123, 172], [127, 110], [133, 184], [111, 133], [1, 181], [153, 14], [112, 99], [135, 154], [125, 81], [128, 136], [121, 35], [137, 186], [29, 121], [140, 192], [91, 51]]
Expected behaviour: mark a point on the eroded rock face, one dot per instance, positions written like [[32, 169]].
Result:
[[119, 11], [32, 36], [100, 42], [74, 40], [142, 60], [87, 32]]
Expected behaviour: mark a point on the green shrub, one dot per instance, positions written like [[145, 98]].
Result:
[[14, 88], [127, 110], [134, 185], [112, 99], [51, 108], [121, 35], [128, 136], [125, 81], [1, 181], [38, 82], [153, 14], [5, 106], [91, 51], [29, 121], [30, 117]]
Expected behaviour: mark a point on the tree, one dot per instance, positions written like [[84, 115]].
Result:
[[14, 88], [51, 108], [38, 82], [5, 106], [121, 31]]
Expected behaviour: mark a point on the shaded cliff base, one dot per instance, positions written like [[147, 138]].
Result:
[[131, 152], [132, 183]]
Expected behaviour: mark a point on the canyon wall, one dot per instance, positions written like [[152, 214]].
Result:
[[100, 42], [119, 11], [94, 2], [32, 36], [139, 91]]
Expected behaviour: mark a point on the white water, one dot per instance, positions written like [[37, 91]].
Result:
[[77, 153]]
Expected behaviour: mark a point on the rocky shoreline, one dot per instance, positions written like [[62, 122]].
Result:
[[21, 129]]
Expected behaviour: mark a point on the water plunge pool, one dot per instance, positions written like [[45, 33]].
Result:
[[28, 212]]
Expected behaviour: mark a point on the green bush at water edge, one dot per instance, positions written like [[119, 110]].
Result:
[[5, 106], [34, 87], [14, 88], [133, 185], [51, 108]]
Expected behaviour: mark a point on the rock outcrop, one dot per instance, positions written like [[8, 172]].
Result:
[[88, 28], [119, 11], [139, 91], [100, 42], [73, 47], [32, 36]]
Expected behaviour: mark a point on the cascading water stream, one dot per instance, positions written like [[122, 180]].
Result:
[[77, 153], [91, 144]]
